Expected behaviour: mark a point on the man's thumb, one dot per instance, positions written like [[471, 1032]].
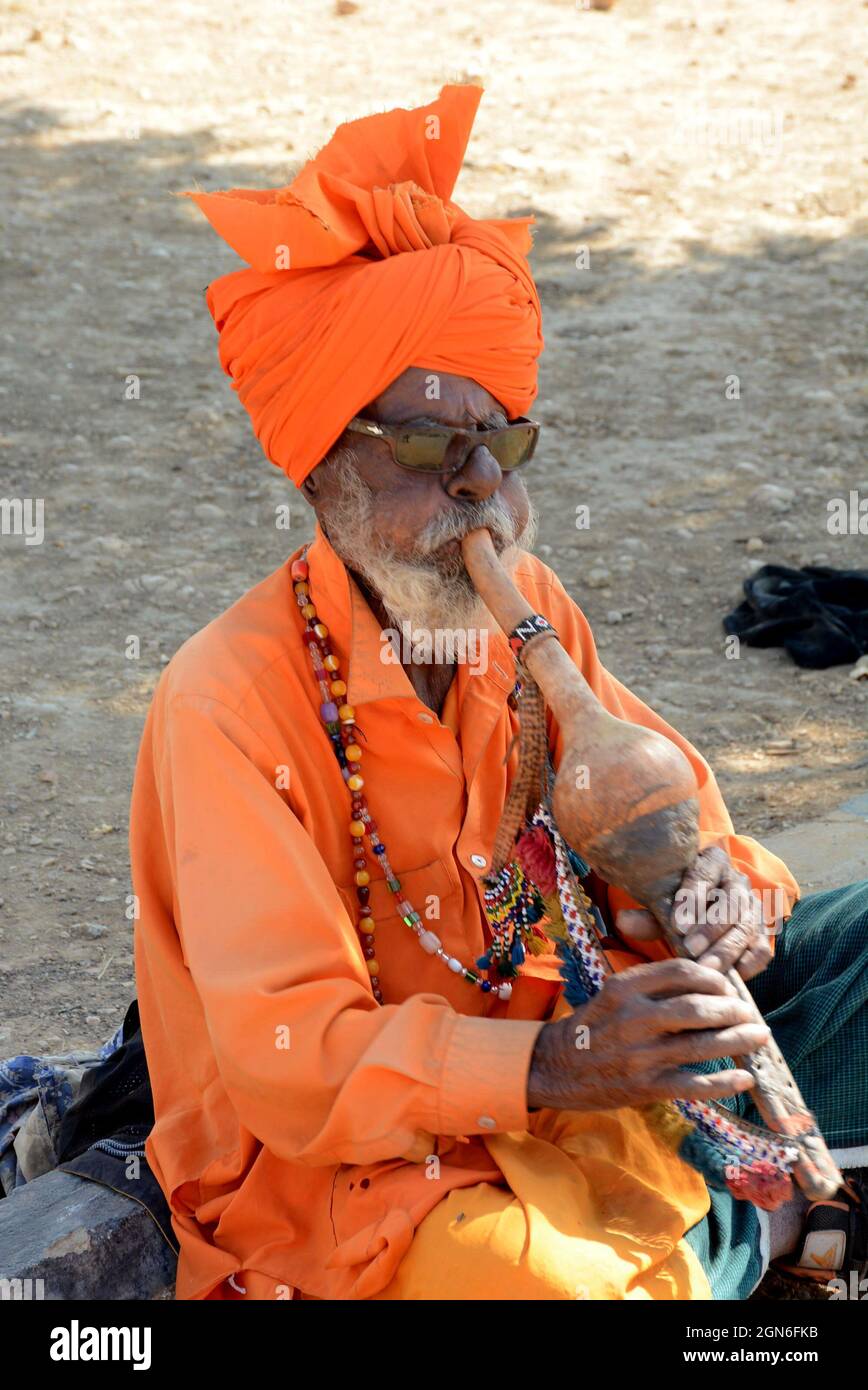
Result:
[[637, 923]]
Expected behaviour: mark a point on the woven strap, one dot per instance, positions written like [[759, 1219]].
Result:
[[530, 627]]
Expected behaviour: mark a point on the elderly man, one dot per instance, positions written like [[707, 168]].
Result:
[[366, 1078]]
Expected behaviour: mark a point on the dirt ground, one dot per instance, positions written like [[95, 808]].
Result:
[[696, 171]]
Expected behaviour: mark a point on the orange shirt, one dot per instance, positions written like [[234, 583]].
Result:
[[294, 1115]]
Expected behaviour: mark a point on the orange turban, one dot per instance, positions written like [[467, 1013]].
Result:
[[362, 267]]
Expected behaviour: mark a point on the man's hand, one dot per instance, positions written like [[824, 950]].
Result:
[[719, 914], [625, 1045]]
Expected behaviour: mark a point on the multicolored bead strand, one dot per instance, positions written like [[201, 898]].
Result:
[[339, 721]]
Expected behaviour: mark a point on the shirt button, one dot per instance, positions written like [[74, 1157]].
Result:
[[426, 718], [478, 860], [486, 1122]]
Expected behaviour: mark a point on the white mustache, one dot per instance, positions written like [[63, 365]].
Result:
[[454, 525]]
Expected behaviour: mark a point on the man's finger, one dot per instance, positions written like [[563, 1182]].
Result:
[[754, 961], [710, 868], [700, 938], [694, 1012], [710, 1043], [730, 947], [661, 979], [712, 895], [637, 923], [691, 1085]]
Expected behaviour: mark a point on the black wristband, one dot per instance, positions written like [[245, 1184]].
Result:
[[527, 628]]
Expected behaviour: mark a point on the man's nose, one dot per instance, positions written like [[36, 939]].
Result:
[[478, 477]]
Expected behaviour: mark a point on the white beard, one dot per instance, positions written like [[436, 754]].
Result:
[[423, 591]]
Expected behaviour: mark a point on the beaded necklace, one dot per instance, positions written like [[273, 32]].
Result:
[[515, 908], [539, 887]]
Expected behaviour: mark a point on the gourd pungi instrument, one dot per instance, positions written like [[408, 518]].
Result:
[[635, 819]]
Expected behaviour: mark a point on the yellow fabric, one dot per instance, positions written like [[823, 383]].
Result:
[[594, 1208]]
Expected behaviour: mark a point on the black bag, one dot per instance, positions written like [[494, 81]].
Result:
[[819, 615], [108, 1122]]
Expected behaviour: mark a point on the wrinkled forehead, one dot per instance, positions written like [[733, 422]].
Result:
[[421, 395]]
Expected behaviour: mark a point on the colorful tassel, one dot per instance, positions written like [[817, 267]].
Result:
[[760, 1183], [536, 856]]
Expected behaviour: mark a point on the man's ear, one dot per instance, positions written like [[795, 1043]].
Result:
[[310, 488]]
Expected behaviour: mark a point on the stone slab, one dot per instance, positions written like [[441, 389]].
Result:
[[83, 1241], [828, 852]]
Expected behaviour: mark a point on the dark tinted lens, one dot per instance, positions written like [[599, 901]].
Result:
[[425, 450], [514, 446]]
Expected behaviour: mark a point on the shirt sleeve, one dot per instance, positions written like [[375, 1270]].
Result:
[[769, 875], [313, 1066]]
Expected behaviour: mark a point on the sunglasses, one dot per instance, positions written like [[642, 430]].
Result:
[[440, 449]]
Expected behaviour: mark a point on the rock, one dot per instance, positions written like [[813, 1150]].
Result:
[[754, 544], [774, 496], [95, 930], [84, 1241], [203, 414], [820, 396], [614, 615], [598, 577], [780, 747], [859, 672], [209, 511]]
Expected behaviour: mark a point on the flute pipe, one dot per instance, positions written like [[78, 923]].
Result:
[[777, 1097], [567, 692], [552, 668], [509, 607], [658, 825], [775, 1094], [491, 580]]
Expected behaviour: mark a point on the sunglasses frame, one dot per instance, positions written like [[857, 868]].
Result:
[[389, 433]]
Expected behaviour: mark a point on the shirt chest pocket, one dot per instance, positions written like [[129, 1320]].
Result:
[[431, 886]]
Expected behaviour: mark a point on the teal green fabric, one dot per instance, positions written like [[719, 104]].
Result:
[[727, 1244], [814, 995]]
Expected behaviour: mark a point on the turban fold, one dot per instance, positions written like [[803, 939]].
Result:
[[362, 267]]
